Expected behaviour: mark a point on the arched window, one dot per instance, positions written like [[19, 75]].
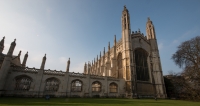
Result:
[[76, 86], [23, 83], [141, 65], [113, 87], [96, 86], [119, 64], [52, 84]]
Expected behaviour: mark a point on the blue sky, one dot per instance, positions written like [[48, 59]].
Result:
[[80, 29]]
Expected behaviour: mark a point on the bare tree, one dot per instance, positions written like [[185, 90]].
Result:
[[188, 57]]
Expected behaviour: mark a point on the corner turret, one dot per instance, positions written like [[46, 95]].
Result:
[[150, 29]]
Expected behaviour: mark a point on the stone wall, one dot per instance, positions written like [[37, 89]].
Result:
[[39, 78]]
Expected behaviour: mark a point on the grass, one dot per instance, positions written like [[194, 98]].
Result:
[[5, 101]]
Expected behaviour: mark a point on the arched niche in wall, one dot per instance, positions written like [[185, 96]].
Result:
[[113, 87], [96, 86], [52, 84], [76, 85], [23, 82]]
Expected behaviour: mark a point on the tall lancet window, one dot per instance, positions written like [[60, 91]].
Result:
[[119, 65], [141, 65], [124, 22], [52, 84], [23, 83]]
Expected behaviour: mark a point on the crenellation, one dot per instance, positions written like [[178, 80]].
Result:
[[24, 69], [54, 72]]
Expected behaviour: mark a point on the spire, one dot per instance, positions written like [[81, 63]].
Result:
[[85, 68], [97, 58], [43, 62], [100, 55], [13, 43], [25, 59], [89, 68], [12, 47], [115, 41], [19, 53], [68, 64], [108, 46], [104, 51], [125, 9], [2, 45], [150, 31], [2, 41]]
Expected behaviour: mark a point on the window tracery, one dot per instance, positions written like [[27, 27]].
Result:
[[141, 65], [76, 86], [96, 86], [52, 84], [23, 83], [113, 87]]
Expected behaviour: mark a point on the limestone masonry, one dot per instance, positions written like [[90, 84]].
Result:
[[131, 68]]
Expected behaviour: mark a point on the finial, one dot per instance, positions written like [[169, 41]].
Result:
[[148, 19], [97, 57], [14, 39], [45, 55], [69, 58], [115, 39], [19, 53], [104, 51], [108, 45], [100, 55], [132, 32], [138, 30], [27, 52], [3, 37], [124, 6]]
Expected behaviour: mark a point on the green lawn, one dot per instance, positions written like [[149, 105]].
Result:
[[93, 102]]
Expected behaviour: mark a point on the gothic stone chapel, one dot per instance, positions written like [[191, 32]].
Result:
[[131, 68]]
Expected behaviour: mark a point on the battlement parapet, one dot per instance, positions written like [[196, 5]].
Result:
[[24, 69], [97, 77], [73, 74], [54, 72]]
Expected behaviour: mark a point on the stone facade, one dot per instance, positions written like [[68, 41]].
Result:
[[130, 68], [134, 58]]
